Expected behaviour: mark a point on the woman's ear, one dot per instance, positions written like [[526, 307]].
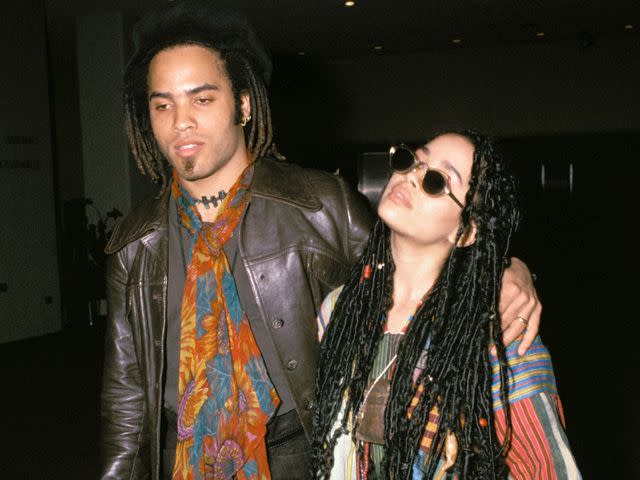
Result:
[[468, 237]]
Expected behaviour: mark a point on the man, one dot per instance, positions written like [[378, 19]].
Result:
[[213, 287]]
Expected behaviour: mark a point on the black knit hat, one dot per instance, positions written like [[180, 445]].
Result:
[[200, 21]]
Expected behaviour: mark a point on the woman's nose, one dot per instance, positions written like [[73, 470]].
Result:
[[416, 173], [419, 166]]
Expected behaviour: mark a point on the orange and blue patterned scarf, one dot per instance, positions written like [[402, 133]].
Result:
[[225, 395]]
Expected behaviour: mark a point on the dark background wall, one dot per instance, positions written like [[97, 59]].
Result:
[[567, 106], [29, 295]]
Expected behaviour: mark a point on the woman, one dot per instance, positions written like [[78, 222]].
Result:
[[413, 379]]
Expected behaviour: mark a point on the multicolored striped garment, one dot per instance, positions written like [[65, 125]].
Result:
[[539, 448]]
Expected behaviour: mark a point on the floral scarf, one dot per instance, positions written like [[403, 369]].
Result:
[[224, 393]]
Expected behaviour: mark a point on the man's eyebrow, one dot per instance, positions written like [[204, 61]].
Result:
[[202, 88], [192, 91], [156, 94]]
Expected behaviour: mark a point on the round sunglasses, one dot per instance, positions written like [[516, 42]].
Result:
[[402, 159]]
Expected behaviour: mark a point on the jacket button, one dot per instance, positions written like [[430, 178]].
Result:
[[277, 323], [261, 276], [309, 405], [292, 364]]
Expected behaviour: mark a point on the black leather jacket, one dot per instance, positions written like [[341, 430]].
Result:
[[304, 230]]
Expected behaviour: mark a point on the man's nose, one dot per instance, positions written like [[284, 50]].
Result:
[[184, 119]]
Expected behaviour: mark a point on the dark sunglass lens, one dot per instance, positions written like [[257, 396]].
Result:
[[401, 159], [434, 182]]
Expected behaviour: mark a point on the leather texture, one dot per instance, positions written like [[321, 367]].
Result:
[[303, 231]]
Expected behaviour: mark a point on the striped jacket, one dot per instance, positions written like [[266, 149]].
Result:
[[539, 449]]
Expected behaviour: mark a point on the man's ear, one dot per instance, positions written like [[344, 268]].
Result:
[[245, 104], [468, 237]]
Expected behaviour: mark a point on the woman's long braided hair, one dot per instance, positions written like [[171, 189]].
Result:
[[458, 321]]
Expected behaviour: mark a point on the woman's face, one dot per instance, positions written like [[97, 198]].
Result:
[[429, 220]]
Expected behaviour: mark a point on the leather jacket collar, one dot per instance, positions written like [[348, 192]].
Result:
[[273, 179]]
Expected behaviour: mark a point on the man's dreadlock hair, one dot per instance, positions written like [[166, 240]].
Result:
[[197, 22], [456, 325]]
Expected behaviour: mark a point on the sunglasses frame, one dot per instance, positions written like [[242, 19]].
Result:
[[446, 190]]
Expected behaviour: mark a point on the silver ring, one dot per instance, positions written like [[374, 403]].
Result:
[[522, 320]]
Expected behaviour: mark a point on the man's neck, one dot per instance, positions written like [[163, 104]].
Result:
[[210, 192], [209, 215]]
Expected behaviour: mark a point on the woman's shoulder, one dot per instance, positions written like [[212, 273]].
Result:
[[332, 296], [326, 309], [527, 375]]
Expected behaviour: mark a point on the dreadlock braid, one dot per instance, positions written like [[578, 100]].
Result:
[[144, 149], [259, 134], [456, 324], [366, 303]]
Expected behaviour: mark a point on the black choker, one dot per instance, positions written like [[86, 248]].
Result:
[[213, 199]]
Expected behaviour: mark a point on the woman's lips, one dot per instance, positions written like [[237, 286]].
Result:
[[399, 194]]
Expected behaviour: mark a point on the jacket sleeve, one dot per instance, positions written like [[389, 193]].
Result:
[[359, 217], [538, 447], [122, 407]]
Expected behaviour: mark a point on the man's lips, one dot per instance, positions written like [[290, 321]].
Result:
[[188, 148]]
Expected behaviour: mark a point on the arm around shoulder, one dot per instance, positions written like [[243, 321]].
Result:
[[359, 217], [519, 307]]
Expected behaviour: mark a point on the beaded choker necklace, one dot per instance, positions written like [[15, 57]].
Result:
[[212, 200]]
